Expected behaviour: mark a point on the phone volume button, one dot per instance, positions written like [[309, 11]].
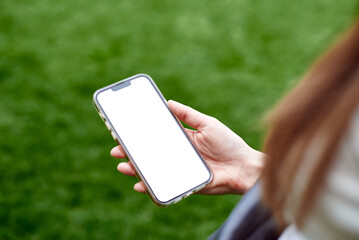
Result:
[[108, 126], [113, 135]]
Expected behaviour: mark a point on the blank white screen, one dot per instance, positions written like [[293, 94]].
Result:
[[152, 136]]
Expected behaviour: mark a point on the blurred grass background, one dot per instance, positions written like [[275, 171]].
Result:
[[230, 59]]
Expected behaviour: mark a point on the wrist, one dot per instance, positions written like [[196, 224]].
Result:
[[256, 161], [249, 172]]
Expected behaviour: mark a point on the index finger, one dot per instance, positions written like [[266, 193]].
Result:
[[187, 114]]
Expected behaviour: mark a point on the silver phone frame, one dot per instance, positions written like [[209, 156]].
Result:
[[117, 138]]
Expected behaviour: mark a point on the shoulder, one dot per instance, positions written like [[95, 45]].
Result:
[[336, 214]]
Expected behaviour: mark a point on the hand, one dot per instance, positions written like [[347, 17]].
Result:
[[235, 165]]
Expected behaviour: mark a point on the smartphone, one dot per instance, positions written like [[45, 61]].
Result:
[[154, 140]]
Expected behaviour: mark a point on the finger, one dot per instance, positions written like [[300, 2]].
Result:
[[118, 152], [140, 187], [126, 168], [187, 114], [191, 133]]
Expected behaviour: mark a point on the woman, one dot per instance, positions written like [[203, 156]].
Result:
[[310, 177]]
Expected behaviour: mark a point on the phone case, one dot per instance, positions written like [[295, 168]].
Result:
[[118, 140]]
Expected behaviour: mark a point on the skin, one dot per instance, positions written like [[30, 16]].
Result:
[[235, 165]]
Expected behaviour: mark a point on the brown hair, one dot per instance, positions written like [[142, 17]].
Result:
[[316, 112]]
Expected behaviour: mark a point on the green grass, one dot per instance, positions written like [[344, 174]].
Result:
[[229, 59]]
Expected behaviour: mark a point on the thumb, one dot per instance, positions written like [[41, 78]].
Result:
[[187, 114]]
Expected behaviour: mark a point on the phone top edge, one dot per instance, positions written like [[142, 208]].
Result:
[[94, 97]]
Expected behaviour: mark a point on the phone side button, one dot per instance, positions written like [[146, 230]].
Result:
[[113, 135], [188, 194], [108, 126]]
